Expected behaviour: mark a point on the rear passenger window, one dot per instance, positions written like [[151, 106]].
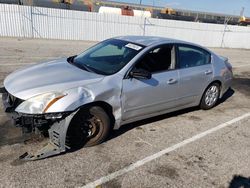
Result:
[[191, 57]]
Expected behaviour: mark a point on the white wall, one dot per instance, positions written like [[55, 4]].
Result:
[[37, 22]]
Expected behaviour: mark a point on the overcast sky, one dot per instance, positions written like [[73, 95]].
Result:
[[218, 6]]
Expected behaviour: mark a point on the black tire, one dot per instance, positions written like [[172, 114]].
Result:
[[204, 104], [89, 127]]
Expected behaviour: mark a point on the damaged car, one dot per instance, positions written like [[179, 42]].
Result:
[[78, 100]]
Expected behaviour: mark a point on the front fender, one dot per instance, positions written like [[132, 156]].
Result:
[[74, 99]]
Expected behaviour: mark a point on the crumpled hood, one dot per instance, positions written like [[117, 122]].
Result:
[[57, 75]]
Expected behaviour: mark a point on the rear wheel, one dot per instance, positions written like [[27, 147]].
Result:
[[210, 96], [89, 127]]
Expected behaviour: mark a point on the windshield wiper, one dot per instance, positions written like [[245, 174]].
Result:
[[85, 67], [81, 66], [71, 61]]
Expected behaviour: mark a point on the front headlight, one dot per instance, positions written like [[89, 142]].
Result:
[[39, 104]]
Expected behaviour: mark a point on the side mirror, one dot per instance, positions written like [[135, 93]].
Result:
[[140, 74]]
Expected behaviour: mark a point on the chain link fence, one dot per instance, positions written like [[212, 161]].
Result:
[[48, 23]]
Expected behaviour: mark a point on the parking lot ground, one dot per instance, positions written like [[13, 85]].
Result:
[[219, 159]]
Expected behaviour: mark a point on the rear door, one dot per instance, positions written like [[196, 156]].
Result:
[[195, 70]]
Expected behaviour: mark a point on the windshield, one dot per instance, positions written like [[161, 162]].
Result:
[[107, 57]]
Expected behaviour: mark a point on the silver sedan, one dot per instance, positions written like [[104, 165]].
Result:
[[78, 100]]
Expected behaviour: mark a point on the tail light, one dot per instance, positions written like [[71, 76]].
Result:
[[229, 66]]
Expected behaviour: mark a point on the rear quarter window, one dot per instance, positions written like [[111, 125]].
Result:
[[189, 56]]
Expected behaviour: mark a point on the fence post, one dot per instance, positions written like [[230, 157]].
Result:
[[224, 31], [144, 26], [31, 21]]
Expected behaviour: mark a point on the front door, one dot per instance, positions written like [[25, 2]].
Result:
[[147, 96]]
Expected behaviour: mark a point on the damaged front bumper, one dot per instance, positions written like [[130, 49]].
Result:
[[57, 130], [55, 125]]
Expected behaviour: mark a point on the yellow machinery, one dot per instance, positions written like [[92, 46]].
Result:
[[168, 11], [89, 3], [244, 21]]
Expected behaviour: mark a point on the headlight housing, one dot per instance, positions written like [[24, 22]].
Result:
[[39, 104]]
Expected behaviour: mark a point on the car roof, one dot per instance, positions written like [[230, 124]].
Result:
[[154, 40], [150, 40]]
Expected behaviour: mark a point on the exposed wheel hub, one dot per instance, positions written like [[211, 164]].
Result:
[[91, 126]]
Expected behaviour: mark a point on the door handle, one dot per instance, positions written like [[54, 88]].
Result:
[[207, 72], [172, 81]]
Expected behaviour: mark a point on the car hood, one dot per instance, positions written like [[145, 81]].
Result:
[[57, 75]]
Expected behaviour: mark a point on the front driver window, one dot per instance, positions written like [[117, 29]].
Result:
[[158, 60]]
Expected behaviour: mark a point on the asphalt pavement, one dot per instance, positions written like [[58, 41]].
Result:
[[187, 148]]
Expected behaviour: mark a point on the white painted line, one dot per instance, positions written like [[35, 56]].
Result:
[[246, 65], [26, 57], [139, 163], [143, 141], [14, 64]]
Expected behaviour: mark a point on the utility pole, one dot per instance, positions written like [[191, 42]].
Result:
[[242, 11], [225, 30]]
